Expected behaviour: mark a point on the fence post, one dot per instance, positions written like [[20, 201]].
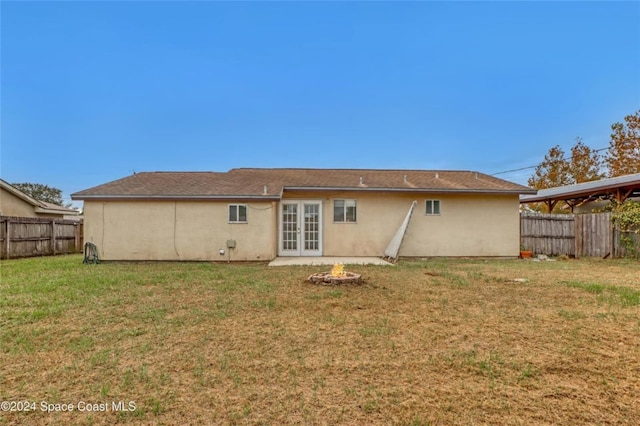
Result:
[[76, 234], [577, 236], [7, 238], [53, 236], [612, 242]]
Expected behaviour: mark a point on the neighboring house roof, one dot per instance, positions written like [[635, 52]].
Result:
[[621, 188], [271, 183], [42, 207]]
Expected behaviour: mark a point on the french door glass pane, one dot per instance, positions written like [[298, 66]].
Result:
[[311, 227], [290, 227]]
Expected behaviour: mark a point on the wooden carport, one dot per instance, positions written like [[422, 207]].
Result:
[[618, 188]]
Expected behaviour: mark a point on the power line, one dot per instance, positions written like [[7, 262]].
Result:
[[533, 167], [514, 170]]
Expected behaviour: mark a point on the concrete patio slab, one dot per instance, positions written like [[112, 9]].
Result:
[[288, 261]]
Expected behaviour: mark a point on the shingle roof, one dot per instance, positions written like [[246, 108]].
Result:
[[270, 183], [61, 209]]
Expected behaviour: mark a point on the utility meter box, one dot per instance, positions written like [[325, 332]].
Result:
[[231, 244]]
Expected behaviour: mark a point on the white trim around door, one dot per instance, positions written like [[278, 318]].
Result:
[[300, 228]]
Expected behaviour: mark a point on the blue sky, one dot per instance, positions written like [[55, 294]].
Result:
[[92, 91]]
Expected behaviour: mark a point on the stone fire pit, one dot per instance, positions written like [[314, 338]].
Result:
[[337, 276]]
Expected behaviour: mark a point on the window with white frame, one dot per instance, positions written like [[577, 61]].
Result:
[[344, 211], [432, 207], [237, 213]]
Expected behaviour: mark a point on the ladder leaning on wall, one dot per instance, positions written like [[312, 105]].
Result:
[[392, 250]]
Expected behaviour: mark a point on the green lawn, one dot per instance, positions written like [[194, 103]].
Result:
[[424, 342]]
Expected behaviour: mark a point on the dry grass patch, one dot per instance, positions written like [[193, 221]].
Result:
[[424, 342]]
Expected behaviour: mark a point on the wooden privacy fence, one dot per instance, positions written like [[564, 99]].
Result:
[[551, 234], [28, 237], [620, 246], [588, 235]]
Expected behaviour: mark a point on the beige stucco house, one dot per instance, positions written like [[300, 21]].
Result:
[[14, 202], [259, 214]]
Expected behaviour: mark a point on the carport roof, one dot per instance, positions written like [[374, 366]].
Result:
[[620, 188]]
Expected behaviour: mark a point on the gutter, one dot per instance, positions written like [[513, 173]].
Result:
[[295, 188], [52, 211], [411, 190], [175, 197]]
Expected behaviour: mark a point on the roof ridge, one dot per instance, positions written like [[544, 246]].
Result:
[[178, 171], [356, 169]]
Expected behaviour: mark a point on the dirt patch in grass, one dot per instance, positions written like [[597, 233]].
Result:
[[424, 342]]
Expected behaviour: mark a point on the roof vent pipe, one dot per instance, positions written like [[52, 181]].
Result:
[[437, 175], [360, 180], [265, 190], [404, 178]]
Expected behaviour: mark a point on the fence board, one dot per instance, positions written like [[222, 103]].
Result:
[[27, 237], [588, 235], [595, 235], [551, 234]]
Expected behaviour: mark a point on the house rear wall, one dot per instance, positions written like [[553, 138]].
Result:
[[469, 224], [183, 230]]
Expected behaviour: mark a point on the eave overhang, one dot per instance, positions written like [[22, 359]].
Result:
[[173, 197], [54, 211], [288, 188]]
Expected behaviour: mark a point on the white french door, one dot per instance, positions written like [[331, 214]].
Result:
[[300, 232]]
